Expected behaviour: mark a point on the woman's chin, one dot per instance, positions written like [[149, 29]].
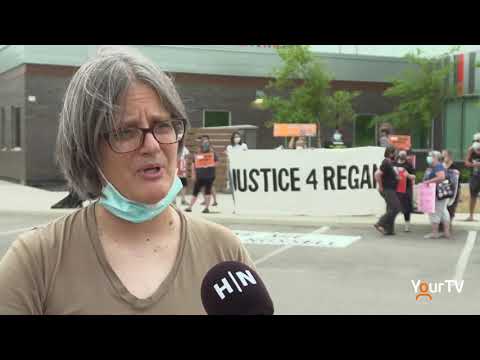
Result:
[[153, 197]]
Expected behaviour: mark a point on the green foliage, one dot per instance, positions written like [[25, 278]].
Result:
[[419, 176], [421, 93], [339, 109], [465, 174], [306, 101], [307, 82]]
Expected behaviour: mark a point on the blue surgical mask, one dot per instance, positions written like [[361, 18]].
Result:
[[133, 211], [429, 160]]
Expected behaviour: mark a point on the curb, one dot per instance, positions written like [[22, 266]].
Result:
[[297, 221]]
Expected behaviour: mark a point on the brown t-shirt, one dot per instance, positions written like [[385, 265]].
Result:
[[62, 269]]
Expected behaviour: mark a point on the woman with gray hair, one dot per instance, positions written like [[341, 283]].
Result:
[[121, 130], [436, 174]]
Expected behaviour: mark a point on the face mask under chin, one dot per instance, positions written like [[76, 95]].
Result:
[[133, 211]]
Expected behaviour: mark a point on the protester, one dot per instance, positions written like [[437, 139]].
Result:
[[436, 174], [472, 161], [182, 173], [387, 181], [236, 143], [298, 143], [206, 138], [337, 140], [383, 140], [121, 130], [452, 171], [203, 173], [405, 186]]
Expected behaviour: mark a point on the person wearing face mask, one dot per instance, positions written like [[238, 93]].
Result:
[[472, 161], [297, 143], [337, 140], [383, 140], [387, 180], [203, 173], [405, 186], [236, 143], [130, 252], [435, 175]]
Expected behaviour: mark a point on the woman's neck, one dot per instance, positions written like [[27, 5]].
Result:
[[114, 226]]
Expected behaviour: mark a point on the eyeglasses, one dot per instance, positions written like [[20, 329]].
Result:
[[130, 139]]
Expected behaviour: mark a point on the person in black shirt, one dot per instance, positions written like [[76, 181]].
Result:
[[203, 173], [387, 185], [407, 196], [472, 161]]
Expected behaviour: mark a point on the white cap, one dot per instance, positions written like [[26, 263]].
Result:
[[476, 137]]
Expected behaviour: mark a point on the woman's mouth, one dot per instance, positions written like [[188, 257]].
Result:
[[152, 173]]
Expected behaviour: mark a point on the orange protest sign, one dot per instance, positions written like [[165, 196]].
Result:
[[400, 142], [204, 160], [287, 130]]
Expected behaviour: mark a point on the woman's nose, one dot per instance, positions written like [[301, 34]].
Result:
[[149, 143]]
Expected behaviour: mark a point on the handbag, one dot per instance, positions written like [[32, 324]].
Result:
[[445, 189]]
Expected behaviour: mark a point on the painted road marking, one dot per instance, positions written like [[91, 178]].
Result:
[[286, 247], [465, 255], [316, 238], [272, 254]]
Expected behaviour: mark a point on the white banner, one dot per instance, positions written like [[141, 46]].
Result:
[[325, 182]]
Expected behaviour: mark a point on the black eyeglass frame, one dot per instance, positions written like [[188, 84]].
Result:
[[150, 130]]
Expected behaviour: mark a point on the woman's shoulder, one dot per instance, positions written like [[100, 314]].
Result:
[[47, 238]]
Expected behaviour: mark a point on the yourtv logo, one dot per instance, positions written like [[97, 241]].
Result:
[[424, 290], [243, 279]]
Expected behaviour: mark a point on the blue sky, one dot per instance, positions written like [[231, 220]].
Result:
[[390, 50]]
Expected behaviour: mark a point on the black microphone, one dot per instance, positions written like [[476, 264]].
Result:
[[233, 288]]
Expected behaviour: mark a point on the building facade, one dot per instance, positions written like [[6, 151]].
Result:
[[217, 83], [461, 118]]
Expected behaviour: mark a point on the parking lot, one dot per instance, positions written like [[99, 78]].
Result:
[[345, 269]]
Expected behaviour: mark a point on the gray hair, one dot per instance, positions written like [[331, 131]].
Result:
[[402, 154], [437, 155], [91, 108]]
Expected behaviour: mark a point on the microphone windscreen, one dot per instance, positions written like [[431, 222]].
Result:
[[233, 288]]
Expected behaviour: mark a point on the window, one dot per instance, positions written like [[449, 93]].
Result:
[[16, 129], [212, 118], [3, 130]]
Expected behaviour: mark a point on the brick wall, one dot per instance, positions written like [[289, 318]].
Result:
[[200, 92]]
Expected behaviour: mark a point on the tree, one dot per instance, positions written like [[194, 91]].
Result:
[[421, 92], [305, 80], [339, 110]]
